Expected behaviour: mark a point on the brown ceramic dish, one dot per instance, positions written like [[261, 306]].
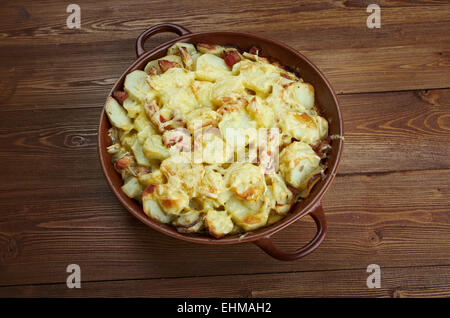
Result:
[[325, 98]]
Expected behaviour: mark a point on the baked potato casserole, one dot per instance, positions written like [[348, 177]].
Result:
[[214, 140]]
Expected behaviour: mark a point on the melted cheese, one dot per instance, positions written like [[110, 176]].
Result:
[[202, 92], [218, 223], [227, 90], [248, 215], [211, 68], [259, 77], [182, 166], [304, 127], [246, 181]]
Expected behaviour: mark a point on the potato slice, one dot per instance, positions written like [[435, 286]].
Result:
[[154, 148], [132, 106], [227, 90], [298, 162], [302, 93], [219, 223], [261, 112], [212, 185], [144, 134], [249, 216], [246, 181], [282, 209], [188, 218], [171, 196], [237, 129], [138, 152], [209, 147], [154, 177], [197, 227], [201, 118], [258, 77], [322, 125], [301, 126], [281, 193], [187, 58], [141, 122], [187, 52], [127, 139], [152, 208], [175, 49], [132, 188], [117, 115], [181, 166], [202, 92]]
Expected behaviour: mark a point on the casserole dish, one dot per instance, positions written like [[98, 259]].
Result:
[[325, 97]]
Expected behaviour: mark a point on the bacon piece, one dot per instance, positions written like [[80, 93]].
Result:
[[231, 58], [164, 65], [123, 163], [120, 96], [149, 190]]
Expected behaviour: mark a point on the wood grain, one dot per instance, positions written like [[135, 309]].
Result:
[[396, 131], [428, 281]]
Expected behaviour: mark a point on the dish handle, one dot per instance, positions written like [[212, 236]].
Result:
[[159, 28], [267, 245]]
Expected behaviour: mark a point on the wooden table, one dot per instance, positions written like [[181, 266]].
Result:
[[389, 204]]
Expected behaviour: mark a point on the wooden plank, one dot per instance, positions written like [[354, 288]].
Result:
[[404, 131], [409, 51], [395, 219], [428, 281], [396, 131]]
